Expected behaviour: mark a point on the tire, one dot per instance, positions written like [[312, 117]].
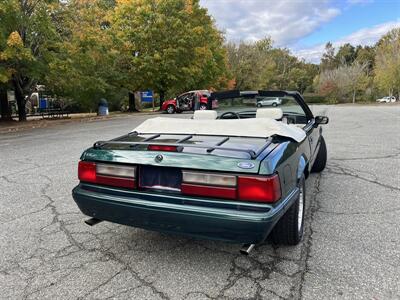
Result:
[[274, 104], [320, 160], [290, 228], [170, 109], [259, 105], [203, 106]]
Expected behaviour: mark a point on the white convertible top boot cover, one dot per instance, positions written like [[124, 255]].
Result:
[[252, 127]]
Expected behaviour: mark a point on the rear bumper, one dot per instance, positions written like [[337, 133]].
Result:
[[162, 213]]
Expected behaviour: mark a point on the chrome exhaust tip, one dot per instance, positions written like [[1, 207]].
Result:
[[246, 249]]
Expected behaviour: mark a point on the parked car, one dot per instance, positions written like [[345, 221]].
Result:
[[387, 99], [186, 102], [235, 174], [269, 101]]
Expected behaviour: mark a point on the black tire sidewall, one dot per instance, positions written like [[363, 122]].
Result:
[[322, 156]]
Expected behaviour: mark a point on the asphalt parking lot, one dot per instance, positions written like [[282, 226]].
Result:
[[351, 249]]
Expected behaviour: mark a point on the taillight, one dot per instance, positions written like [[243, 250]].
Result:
[[259, 189], [107, 174], [209, 178], [87, 171], [243, 188], [162, 148]]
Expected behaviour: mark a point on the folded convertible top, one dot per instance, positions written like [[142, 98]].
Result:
[[241, 128]]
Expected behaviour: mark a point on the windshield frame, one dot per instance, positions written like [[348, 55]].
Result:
[[264, 93]]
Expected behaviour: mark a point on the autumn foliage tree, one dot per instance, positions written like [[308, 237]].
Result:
[[88, 58], [387, 70], [29, 43], [168, 45], [258, 65]]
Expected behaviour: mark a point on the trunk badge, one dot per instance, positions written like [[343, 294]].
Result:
[[245, 165], [159, 158]]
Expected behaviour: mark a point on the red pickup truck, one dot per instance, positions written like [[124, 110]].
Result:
[[186, 102]]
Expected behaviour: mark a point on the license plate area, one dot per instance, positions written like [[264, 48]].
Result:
[[160, 178]]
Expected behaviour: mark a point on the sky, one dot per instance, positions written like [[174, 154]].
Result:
[[305, 27]]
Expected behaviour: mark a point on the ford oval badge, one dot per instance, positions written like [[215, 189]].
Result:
[[245, 165]]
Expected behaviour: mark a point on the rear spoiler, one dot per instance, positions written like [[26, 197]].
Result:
[[181, 143]]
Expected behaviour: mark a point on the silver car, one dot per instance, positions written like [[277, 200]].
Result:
[[387, 99], [269, 101]]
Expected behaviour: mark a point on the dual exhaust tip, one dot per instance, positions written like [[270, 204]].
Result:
[[245, 250]]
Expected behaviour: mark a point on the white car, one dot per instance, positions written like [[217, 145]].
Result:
[[269, 102], [387, 99]]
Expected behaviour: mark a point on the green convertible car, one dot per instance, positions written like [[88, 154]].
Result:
[[236, 173]]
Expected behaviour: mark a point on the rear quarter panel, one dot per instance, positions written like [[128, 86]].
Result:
[[285, 160]]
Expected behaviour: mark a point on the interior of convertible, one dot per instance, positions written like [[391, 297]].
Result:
[[239, 126], [245, 105]]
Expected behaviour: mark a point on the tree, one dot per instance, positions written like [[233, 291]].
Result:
[[326, 84], [366, 54], [88, 56], [387, 62], [168, 45], [30, 37], [346, 54], [351, 76], [283, 63], [299, 79], [342, 81], [257, 65], [328, 60], [249, 63]]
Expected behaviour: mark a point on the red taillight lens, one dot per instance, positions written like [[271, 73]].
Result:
[[107, 174], [87, 171], [259, 189], [116, 181], [228, 186], [208, 191], [162, 148]]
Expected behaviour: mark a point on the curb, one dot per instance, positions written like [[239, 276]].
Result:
[[43, 123]]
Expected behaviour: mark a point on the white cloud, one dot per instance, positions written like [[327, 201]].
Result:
[[286, 21], [366, 36]]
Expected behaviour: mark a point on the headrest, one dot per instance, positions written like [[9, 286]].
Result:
[[205, 115], [273, 113]]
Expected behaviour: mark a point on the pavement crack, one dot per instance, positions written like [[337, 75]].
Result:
[[308, 239], [345, 172], [367, 158], [127, 267], [56, 214], [337, 213], [101, 284], [8, 180]]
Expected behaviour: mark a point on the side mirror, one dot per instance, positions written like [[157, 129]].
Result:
[[321, 120]]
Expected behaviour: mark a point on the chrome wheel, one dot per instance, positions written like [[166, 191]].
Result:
[[300, 214], [170, 109]]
